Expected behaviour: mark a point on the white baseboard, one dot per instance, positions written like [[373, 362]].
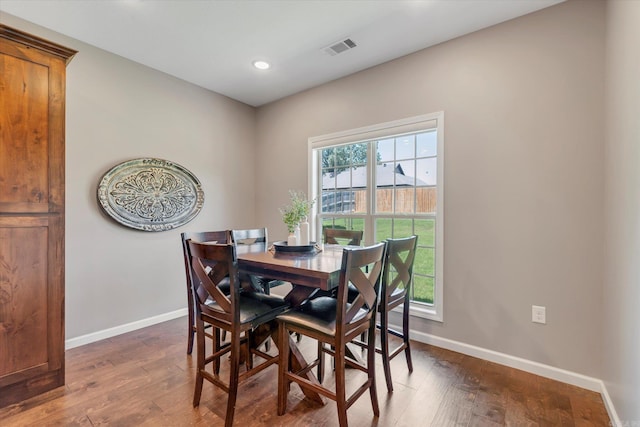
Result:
[[573, 378], [611, 409], [117, 330]]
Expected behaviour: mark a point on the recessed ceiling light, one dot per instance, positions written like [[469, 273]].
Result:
[[261, 65]]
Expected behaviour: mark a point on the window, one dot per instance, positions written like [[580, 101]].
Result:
[[387, 180]]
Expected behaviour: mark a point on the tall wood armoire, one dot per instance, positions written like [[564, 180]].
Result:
[[32, 164]]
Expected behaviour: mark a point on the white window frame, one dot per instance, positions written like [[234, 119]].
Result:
[[380, 131]]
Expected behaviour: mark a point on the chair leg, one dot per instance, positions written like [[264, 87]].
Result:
[[371, 368], [233, 378], [405, 333], [320, 362], [283, 368], [341, 394], [200, 367], [384, 346], [192, 324], [216, 347]]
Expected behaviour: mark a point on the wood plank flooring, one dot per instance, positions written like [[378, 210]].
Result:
[[145, 378]]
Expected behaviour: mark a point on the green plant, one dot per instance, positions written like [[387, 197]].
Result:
[[299, 208]]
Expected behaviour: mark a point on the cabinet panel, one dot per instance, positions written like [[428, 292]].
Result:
[[24, 147], [23, 296], [32, 85]]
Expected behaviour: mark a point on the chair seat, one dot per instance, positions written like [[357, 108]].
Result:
[[318, 314], [224, 286], [254, 308]]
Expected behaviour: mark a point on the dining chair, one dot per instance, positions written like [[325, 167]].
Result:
[[340, 236], [334, 323], [204, 236], [397, 275], [238, 313], [248, 237]]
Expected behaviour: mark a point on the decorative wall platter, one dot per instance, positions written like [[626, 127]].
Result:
[[150, 194]]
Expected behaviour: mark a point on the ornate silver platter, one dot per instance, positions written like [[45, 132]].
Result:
[[150, 194]]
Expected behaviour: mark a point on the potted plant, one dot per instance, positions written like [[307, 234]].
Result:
[[294, 214]]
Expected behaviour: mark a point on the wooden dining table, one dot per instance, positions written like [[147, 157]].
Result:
[[307, 272]]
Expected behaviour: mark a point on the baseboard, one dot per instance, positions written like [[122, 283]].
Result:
[[573, 378], [611, 409], [121, 329]]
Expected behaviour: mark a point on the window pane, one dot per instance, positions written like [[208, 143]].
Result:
[[425, 261], [402, 228], [405, 147], [328, 201], [328, 157], [427, 171], [358, 154], [383, 229], [426, 199], [384, 200], [358, 177], [404, 200], [328, 181], [405, 173], [384, 150], [427, 144], [423, 289], [425, 230], [356, 224], [360, 201]]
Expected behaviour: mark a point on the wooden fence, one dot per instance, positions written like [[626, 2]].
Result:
[[425, 200]]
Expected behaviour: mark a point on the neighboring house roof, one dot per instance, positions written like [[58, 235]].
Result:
[[357, 178]]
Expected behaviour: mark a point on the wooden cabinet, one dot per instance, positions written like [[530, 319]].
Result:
[[32, 161]]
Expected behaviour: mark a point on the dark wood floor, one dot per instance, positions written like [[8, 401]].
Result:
[[145, 378]]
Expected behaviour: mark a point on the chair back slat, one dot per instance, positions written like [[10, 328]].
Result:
[[339, 236], [222, 236], [362, 268], [242, 236], [399, 261], [221, 258]]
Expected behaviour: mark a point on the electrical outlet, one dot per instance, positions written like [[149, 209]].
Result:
[[538, 314]]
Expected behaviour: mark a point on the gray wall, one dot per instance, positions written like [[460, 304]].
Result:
[[118, 110], [621, 287], [523, 104]]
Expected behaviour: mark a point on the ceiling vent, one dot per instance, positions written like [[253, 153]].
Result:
[[339, 47]]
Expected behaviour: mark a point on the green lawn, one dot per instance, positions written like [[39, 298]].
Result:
[[424, 265]]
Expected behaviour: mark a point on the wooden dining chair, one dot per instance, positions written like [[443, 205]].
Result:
[[334, 323], [340, 236], [223, 236], [251, 236], [238, 313], [397, 275]]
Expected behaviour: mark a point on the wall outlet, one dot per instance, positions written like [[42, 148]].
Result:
[[538, 314]]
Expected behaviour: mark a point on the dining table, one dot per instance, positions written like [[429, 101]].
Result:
[[307, 271]]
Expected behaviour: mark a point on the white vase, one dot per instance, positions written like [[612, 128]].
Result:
[[304, 232], [297, 233], [292, 239]]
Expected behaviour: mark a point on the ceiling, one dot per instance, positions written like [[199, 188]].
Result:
[[212, 43]]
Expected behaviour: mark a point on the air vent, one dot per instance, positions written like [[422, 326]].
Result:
[[339, 47]]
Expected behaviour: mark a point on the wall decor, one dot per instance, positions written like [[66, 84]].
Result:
[[150, 194]]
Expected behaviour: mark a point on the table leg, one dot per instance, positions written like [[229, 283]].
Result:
[[296, 361], [298, 295]]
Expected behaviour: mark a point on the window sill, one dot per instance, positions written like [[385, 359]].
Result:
[[418, 310]]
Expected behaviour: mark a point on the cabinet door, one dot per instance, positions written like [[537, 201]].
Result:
[[31, 218]]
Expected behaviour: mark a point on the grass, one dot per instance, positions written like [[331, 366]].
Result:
[[424, 264]]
